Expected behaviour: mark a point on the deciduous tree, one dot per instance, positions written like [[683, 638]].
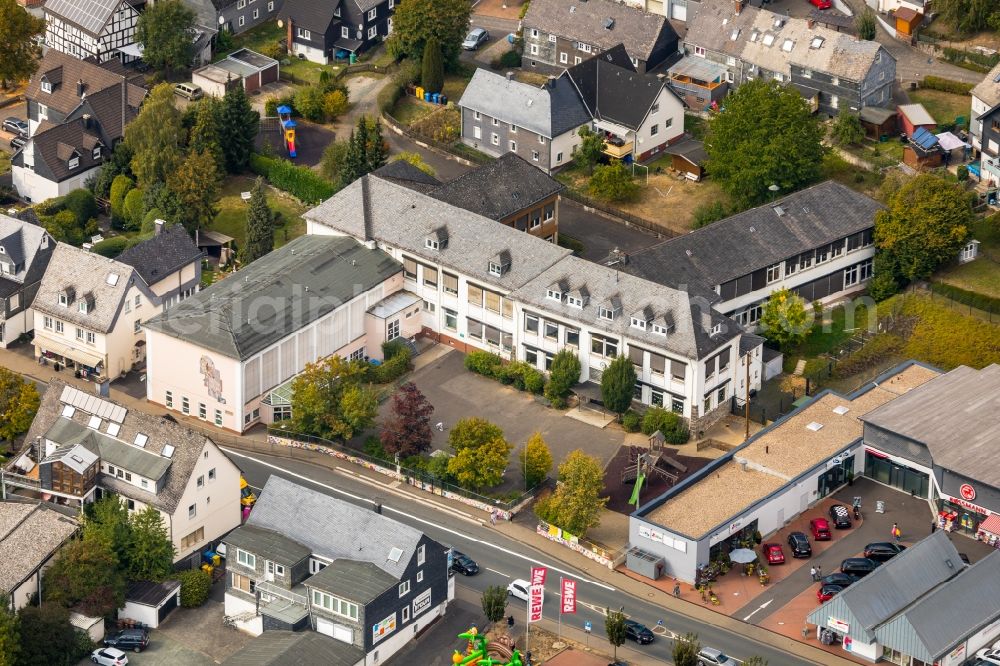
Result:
[[766, 136], [968, 16], [613, 182], [47, 637], [618, 385], [686, 648], [590, 150], [18, 30], [133, 209], [494, 602], [106, 521], [260, 225], [432, 66], [318, 397], [19, 401], [416, 21], [536, 461], [408, 432], [85, 577], [481, 453], [335, 104], [563, 376], [196, 184], [926, 224], [614, 627], [334, 161], [10, 634], [847, 128], [165, 31], [150, 550], [786, 319], [576, 504], [239, 129], [156, 137]]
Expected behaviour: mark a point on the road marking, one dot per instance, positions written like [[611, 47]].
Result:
[[498, 572], [419, 520], [759, 608]]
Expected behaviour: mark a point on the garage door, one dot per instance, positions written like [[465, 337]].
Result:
[[678, 12], [167, 607], [324, 627]]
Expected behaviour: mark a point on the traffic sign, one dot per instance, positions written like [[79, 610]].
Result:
[[587, 626]]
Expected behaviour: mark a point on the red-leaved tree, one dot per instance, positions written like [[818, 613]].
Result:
[[408, 432]]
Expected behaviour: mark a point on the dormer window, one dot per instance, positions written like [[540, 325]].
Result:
[[83, 307], [73, 162], [496, 269], [437, 240], [716, 329], [574, 301], [64, 299], [659, 329], [553, 294], [500, 263], [639, 323], [96, 154], [46, 86], [606, 313], [431, 244]]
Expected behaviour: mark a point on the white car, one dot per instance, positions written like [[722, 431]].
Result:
[[519, 589], [991, 655], [109, 656]]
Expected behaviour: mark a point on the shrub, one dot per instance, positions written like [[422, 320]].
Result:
[[522, 376], [111, 247], [272, 103], [631, 421], [373, 447], [274, 50], [571, 243], [672, 426], [133, 209], [392, 348], [511, 59], [534, 380], [979, 301], [81, 202], [195, 587], [707, 213], [393, 368], [876, 350], [946, 85], [309, 102], [962, 173], [301, 182], [483, 363], [120, 186], [613, 182]]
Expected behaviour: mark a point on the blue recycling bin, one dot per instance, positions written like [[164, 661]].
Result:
[[436, 98], [427, 97]]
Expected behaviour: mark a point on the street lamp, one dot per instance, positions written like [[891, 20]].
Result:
[[774, 189]]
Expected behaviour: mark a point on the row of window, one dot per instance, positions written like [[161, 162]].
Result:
[[658, 398], [168, 400], [241, 21]]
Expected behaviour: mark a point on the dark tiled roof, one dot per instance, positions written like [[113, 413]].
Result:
[[499, 189], [690, 149], [64, 97], [161, 255], [361, 582], [56, 145], [612, 90], [311, 14], [403, 173], [286, 648], [268, 543], [759, 237], [587, 22]]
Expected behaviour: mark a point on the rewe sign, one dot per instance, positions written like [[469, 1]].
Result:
[[568, 596], [536, 594]]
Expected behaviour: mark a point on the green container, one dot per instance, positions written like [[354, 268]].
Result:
[[354, 58]]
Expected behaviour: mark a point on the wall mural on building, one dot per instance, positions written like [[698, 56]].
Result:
[[212, 379]]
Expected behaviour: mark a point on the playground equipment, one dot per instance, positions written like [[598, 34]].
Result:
[[651, 461], [483, 652], [288, 127]]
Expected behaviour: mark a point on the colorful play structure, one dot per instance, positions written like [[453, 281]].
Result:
[[287, 127], [483, 652]]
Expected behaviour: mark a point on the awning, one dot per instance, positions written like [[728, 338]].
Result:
[[134, 50], [991, 524], [347, 44], [79, 355], [698, 69], [950, 142]]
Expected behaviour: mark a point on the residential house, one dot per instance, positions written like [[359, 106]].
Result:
[[245, 339], [98, 29], [638, 114], [169, 262], [77, 113], [985, 127], [894, 6], [25, 251], [540, 124], [306, 560], [89, 310], [817, 242], [832, 70], [31, 534], [487, 286], [511, 191], [82, 447], [321, 32], [562, 33], [235, 16], [675, 10]]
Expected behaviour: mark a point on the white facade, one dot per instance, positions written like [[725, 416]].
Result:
[[663, 124], [119, 31], [311, 53], [979, 107], [35, 188]]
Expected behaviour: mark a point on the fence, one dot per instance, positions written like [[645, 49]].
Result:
[[582, 545], [469, 156], [967, 302], [628, 218]]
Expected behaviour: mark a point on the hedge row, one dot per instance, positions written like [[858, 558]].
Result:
[[518, 374], [396, 363], [301, 182], [966, 297], [946, 85]]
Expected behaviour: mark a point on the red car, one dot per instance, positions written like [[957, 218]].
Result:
[[821, 4], [827, 592], [773, 553], [820, 529]]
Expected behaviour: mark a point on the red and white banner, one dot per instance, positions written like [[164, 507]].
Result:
[[536, 594], [568, 595]]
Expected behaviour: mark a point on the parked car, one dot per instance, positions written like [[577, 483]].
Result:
[[820, 529], [988, 653], [638, 632], [129, 639], [984, 662], [799, 544], [109, 657], [15, 125], [773, 553], [519, 589], [188, 91], [711, 657], [883, 551], [463, 564], [476, 38], [17, 143], [821, 4], [965, 558], [839, 578], [827, 592], [858, 566], [840, 516]]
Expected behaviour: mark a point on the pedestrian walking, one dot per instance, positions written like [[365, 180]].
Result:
[[677, 590], [895, 533], [510, 621], [493, 517], [812, 572], [933, 526], [819, 572]]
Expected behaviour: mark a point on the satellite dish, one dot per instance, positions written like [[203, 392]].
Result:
[[281, 24], [222, 19]]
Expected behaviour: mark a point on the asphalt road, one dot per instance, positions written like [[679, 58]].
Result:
[[502, 559]]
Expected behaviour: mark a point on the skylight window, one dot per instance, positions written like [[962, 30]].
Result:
[[754, 36], [112, 279], [68, 411], [114, 429], [95, 422], [841, 410], [395, 554], [141, 439], [768, 40], [734, 35], [787, 45], [816, 42], [168, 450], [814, 426]]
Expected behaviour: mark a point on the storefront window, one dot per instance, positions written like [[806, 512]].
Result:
[[834, 477], [896, 475]]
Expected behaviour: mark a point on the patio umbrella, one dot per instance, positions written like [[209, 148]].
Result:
[[743, 556]]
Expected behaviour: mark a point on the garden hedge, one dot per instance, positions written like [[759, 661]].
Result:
[[301, 182]]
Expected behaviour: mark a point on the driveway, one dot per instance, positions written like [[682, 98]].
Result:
[[600, 235], [457, 393]]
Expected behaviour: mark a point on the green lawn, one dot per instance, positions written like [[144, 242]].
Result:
[[837, 168], [828, 336], [408, 110], [983, 274], [265, 35], [943, 107], [4, 161], [454, 84], [232, 216]]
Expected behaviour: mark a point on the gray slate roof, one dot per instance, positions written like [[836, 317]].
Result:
[[403, 173], [187, 444], [334, 269], [87, 275], [29, 533], [89, 15], [895, 585], [268, 543], [945, 617], [988, 90], [64, 71], [361, 582], [955, 416], [333, 529], [692, 318], [304, 648], [550, 110], [161, 255], [759, 237], [317, 16], [404, 219], [109, 449], [499, 189], [22, 242], [585, 21]]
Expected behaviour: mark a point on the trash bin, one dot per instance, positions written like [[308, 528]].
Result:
[[420, 92], [444, 100], [427, 96], [354, 58], [436, 97]]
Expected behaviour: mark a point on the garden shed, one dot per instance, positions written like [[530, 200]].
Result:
[[149, 603], [244, 67]]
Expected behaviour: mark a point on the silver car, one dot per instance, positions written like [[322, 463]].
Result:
[[476, 38], [712, 657]]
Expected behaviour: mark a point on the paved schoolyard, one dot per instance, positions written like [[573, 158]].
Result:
[[457, 393]]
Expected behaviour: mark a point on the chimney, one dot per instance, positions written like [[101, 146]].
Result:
[[551, 83], [510, 76], [86, 120], [810, 23], [79, 87], [158, 226], [739, 7]]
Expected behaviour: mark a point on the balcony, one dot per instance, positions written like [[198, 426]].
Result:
[[617, 147], [689, 83]]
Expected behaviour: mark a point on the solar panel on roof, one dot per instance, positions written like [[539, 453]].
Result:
[[91, 15]]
